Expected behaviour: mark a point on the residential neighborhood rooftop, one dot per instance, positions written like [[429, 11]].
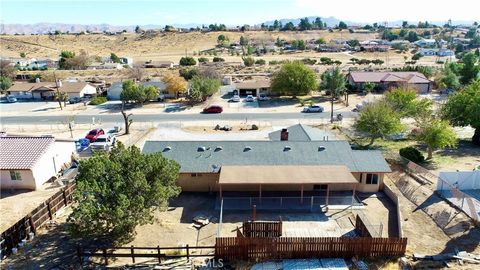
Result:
[[209, 156], [300, 132], [22, 153], [410, 77]]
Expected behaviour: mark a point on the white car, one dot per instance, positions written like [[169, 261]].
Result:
[[104, 142], [313, 109], [235, 98], [262, 97], [249, 98]]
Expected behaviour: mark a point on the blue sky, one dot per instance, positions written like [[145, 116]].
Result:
[[230, 12]]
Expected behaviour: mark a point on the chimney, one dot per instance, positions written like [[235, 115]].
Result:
[[284, 134]]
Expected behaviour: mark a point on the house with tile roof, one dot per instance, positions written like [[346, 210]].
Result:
[[27, 162], [390, 79], [300, 166], [46, 90]]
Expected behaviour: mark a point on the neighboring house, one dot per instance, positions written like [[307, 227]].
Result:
[[114, 91], [253, 87], [302, 133], [27, 162], [387, 80], [126, 61], [429, 42], [46, 90], [436, 52], [158, 64], [375, 48], [272, 166], [110, 65]]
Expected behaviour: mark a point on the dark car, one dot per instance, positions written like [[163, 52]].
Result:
[[74, 100], [94, 134], [213, 109]]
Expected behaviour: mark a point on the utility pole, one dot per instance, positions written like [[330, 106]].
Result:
[[58, 91]]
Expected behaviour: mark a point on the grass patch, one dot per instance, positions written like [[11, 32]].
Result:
[[98, 100]]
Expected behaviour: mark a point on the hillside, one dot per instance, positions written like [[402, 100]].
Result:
[[162, 46]]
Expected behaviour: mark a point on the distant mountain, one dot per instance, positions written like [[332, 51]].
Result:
[[45, 28]]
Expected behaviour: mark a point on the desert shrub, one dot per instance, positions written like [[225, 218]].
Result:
[[260, 62], [254, 127], [187, 61], [412, 154], [98, 100], [202, 60], [219, 59]]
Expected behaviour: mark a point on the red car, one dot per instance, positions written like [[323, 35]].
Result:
[[94, 134], [213, 109]]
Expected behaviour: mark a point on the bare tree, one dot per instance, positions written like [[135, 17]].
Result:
[[126, 118], [136, 73], [7, 69]]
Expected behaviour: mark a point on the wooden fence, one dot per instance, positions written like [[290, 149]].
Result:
[[160, 253], [35, 219], [252, 249], [262, 228]]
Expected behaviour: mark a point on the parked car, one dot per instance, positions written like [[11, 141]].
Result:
[[104, 142], [94, 134], [249, 98], [360, 106], [11, 99], [74, 100], [235, 98], [263, 97], [213, 109], [313, 109]]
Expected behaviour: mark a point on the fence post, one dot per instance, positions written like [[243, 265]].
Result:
[[79, 254], [105, 256], [159, 256], [133, 254], [32, 225], [64, 197], [188, 253], [49, 210]]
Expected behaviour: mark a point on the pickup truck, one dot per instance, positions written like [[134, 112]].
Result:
[[104, 142]]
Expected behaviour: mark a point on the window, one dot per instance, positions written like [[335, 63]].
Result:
[[14, 175], [320, 187], [195, 174], [372, 179]]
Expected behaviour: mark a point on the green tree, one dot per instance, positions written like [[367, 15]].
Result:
[[64, 62], [114, 58], [288, 27], [248, 61], [295, 79], [463, 109], [437, 134], [320, 41], [187, 61], [119, 190], [243, 41], [412, 36], [5, 83], [368, 87], [222, 39], [378, 120], [470, 69], [188, 73], [448, 79], [318, 24], [405, 103], [334, 82], [342, 25], [304, 24], [201, 87]]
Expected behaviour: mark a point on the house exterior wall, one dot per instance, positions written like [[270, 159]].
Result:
[[208, 182], [27, 182], [21, 95]]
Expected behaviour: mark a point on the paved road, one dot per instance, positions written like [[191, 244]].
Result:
[[164, 117]]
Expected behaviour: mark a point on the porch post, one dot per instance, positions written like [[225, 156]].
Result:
[[353, 193], [220, 190], [328, 194], [260, 193], [301, 195]]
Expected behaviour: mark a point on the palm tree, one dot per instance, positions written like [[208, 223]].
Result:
[[334, 81]]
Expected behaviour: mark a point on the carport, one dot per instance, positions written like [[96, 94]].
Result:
[[254, 88], [286, 179]]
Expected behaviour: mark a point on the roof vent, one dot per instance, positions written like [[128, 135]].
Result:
[[287, 148], [247, 148], [321, 148], [201, 149], [218, 148], [167, 148]]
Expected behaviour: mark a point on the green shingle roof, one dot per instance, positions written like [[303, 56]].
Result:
[[209, 156]]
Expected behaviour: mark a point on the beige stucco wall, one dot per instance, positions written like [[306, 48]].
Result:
[[208, 182], [27, 182], [363, 187]]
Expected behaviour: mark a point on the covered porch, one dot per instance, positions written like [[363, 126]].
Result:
[[311, 188]]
